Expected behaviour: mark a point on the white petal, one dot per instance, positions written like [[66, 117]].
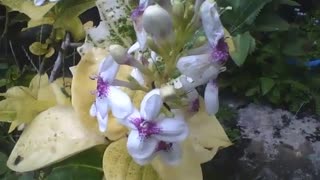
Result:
[[211, 98], [145, 160], [193, 100], [173, 129], [173, 156], [140, 148], [54, 0], [138, 76], [38, 2], [194, 66], [151, 105], [120, 103], [134, 48], [128, 120], [102, 106], [108, 69], [140, 32], [93, 110], [102, 122], [211, 22]]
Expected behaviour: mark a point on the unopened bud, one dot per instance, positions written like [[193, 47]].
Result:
[[167, 92], [177, 8], [119, 54], [157, 22]]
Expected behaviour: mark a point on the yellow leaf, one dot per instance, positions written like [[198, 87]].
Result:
[[82, 86], [118, 164], [49, 53], [188, 169], [229, 41], [38, 22], [53, 135], [39, 49], [207, 134], [38, 82], [28, 8]]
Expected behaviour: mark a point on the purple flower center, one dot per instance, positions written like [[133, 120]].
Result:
[[221, 52], [146, 128], [137, 12], [102, 88], [164, 146], [195, 105]]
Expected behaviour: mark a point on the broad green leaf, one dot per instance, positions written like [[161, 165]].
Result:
[[244, 44], [266, 85], [271, 22], [52, 136], [243, 13], [3, 166], [295, 47], [252, 91], [28, 8], [119, 165], [85, 165], [289, 2]]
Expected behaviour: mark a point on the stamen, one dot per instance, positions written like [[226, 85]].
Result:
[[145, 128]]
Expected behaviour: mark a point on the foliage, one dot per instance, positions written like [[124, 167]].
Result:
[[274, 66]]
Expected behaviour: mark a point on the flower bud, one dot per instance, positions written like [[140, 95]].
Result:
[[157, 22], [118, 53], [177, 8]]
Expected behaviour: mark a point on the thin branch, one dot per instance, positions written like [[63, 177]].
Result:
[[14, 55], [29, 58], [60, 57]]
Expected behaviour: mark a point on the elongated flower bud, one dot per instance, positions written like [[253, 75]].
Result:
[[119, 54], [157, 22]]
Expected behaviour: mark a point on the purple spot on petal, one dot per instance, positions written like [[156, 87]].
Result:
[[164, 146], [136, 13], [145, 128], [195, 105], [220, 53], [102, 88]]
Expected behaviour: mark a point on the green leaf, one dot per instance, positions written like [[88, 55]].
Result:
[[295, 47], [252, 91], [271, 22], [3, 162], [28, 8], [243, 12], [289, 2], [85, 165], [244, 44], [266, 85], [67, 16]]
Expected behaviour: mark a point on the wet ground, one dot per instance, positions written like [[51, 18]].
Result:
[[274, 145]]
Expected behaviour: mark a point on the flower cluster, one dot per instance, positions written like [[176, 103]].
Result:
[[167, 71]]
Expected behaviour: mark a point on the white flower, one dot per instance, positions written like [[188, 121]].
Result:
[[41, 2], [152, 133], [205, 63], [109, 96]]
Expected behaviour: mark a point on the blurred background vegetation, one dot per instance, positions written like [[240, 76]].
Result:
[[276, 62]]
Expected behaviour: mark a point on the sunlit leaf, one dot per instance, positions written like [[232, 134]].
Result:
[[206, 134], [53, 135], [188, 169], [28, 8], [119, 165]]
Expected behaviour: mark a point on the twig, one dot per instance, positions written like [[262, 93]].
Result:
[[29, 58], [14, 55], [60, 57]]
